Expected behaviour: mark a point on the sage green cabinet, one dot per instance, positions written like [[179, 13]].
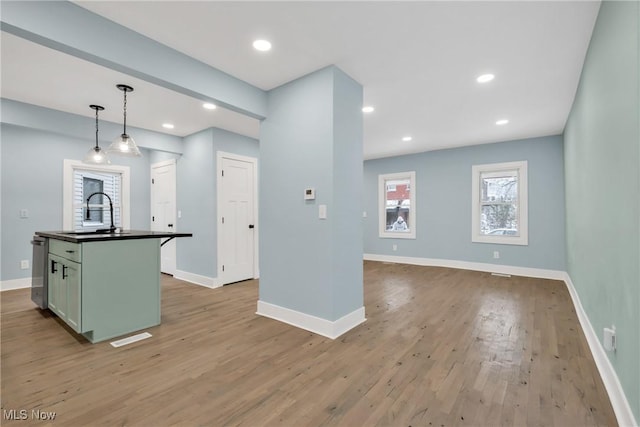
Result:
[[105, 289], [65, 291], [71, 275], [57, 303]]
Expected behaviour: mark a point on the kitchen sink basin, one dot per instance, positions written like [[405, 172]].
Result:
[[95, 233], [79, 233]]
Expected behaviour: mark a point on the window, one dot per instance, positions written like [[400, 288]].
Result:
[[81, 181], [499, 209], [88, 186], [397, 207]]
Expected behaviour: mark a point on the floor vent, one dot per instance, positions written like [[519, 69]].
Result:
[[501, 274], [131, 339]]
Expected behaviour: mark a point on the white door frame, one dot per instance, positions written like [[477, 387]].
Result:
[[175, 203], [219, 156]]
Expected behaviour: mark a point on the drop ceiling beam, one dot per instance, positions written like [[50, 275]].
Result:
[[69, 28]]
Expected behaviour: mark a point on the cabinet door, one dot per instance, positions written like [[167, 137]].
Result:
[[52, 285], [72, 275], [57, 286]]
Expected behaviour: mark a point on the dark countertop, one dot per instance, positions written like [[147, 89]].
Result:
[[73, 237]]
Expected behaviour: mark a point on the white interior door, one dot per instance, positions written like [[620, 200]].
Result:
[[163, 209], [237, 218]]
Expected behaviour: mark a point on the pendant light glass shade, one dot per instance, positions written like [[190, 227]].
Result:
[[96, 155], [124, 145]]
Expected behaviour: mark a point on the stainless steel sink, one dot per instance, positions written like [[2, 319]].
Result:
[[95, 233], [79, 233]]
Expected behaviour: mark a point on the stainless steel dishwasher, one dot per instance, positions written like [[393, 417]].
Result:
[[39, 276]]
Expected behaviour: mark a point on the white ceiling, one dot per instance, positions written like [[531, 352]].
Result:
[[417, 62]]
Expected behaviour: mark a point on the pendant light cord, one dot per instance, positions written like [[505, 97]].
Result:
[[97, 147], [125, 111]]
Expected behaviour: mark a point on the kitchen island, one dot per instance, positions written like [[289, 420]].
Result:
[[104, 285]]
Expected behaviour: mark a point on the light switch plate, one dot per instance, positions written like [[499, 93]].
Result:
[[322, 211]]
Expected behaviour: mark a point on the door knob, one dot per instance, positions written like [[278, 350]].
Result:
[[251, 226], [170, 225]]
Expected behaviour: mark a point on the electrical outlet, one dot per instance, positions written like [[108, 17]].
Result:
[[609, 338], [395, 247], [24, 264], [24, 213], [364, 214], [496, 254]]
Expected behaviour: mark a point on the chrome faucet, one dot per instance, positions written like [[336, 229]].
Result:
[[112, 228]]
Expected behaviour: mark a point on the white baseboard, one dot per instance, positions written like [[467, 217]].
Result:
[[207, 282], [197, 279], [324, 327], [9, 285], [466, 265], [609, 377]]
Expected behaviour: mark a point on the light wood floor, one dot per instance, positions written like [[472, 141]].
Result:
[[440, 347]]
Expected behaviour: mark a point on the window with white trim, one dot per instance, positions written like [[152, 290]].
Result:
[[499, 206], [397, 205], [81, 181]]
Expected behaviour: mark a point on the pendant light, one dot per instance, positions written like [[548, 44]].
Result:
[[97, 155], [124, 145]]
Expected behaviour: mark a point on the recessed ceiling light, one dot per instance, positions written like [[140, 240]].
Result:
[[168, 126], [368, 109], [209, 106], [262, 45], [407, 138], [502, 122], [485, 78]]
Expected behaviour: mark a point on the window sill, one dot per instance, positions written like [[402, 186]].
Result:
[[397, 235], [502, 240]]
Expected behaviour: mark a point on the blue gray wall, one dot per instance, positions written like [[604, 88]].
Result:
[[304, 144], [346, 209], [443, 203], [602, 162], [194, 174], [31, 169], [196, 196]]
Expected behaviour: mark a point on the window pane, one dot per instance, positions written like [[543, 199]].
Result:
[[90, 186], [499, 219], [495, 188], [398, 205]]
